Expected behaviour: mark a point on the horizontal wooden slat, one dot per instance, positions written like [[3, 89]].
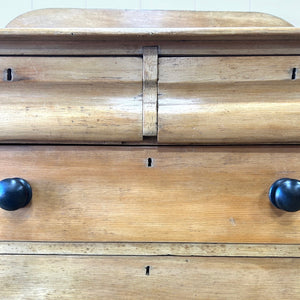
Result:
[[71, 99], [188, 194], [149, 249], [166, 48], [229, 100], [61, 277], [151, 34]]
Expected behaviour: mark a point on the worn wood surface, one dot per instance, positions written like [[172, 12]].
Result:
[[74, 69], [103, 195], [78, 277], [100, 38], [97, 18], [193, 70], [71, 99], [165, 48], [229, 100], [150, 34], [150, 79], [150, 249], [187, 194]]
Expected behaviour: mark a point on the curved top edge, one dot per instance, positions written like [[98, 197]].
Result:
[[115, 18]]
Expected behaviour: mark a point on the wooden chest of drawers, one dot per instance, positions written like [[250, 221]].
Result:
[[150, 141]]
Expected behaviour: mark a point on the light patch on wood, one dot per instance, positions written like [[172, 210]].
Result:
[[220, 100], [232, 221]]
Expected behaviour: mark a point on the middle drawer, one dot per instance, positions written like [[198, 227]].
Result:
[[153, 194]]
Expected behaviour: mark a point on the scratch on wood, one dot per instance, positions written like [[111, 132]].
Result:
[[232, 221]]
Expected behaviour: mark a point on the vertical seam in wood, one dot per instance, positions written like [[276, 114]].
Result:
[[150, 80]]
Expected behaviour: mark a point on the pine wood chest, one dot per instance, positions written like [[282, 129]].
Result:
[[150, 141]]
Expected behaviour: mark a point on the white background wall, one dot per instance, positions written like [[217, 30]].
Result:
[[288, 9]]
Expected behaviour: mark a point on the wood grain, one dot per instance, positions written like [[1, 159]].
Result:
[[97, 18], [194, 70], [150, 34], [77, 277], [150, 249], [103, 222], [190, 194], [71, 99], [215, 100], [166, 48], [224, 47], [74, 69], [150, 79]]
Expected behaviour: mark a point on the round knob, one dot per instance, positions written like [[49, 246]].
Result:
[[15, 193], [285, 194]]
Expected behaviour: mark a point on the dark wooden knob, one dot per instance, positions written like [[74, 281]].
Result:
[[285, 194], [15, 193]]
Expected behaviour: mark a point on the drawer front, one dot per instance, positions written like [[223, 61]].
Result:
[[178, 194], [71, 99], [111, 277], [229, 100]]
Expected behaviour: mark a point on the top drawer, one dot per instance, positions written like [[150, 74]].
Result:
[[229, 100], [71, 99], [201, 100]]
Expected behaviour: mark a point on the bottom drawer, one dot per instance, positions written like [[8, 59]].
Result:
[[96, 277], [152, 194]]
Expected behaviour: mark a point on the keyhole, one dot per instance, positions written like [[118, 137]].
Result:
[[294, 73], [9, 75], [147, 271], [150, 162]]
